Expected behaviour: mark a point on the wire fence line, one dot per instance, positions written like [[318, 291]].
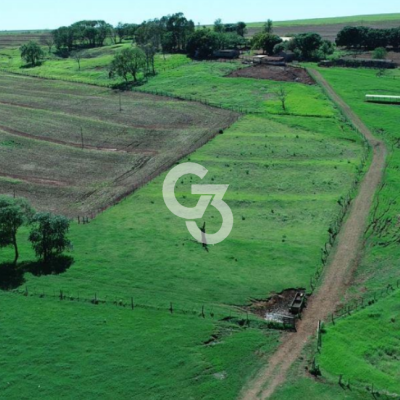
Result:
[[347, 310]]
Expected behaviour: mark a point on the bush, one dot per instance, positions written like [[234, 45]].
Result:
[[379, 53]]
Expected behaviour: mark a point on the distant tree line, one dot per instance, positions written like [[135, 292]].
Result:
[[364, 38]]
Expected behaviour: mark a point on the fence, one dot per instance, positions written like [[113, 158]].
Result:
[[345, 311]]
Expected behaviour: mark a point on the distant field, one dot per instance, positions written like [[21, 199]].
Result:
[[18, 38], [355, 19], [42, 124], [328, 28]]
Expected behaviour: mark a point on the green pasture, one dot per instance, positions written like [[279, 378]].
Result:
[[364, 347], [209, 81], [94, 65], [80, 350], [286, 171]]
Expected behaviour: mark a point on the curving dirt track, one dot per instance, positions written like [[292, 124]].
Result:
[[338, 273]]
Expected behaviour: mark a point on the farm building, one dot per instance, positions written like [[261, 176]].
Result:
[[377, 98], [268, 60]]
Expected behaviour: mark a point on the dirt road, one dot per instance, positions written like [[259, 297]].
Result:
[[337, 274]]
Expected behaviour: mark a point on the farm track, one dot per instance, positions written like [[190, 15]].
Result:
[[339, 271]]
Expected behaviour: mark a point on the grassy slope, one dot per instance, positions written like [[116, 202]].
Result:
[[208, 81], [76, 350], [335, 20], [285, 181], [94, 65], [365, 346]]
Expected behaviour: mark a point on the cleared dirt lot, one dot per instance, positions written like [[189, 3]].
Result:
[[70, 148], [275, 73]]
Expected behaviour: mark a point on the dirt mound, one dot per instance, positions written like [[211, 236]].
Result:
[[274, 73]]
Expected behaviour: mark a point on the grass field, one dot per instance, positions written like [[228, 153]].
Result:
[[44, 122], [108, 352], [286, 173], [94, 68], [363, 347], [207, 81]]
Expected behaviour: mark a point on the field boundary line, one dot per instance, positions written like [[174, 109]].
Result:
[[340, 268]]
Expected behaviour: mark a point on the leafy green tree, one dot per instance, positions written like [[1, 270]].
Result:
[[49, 236], [268, 27], [202, 43], [129, 61], [32, 53], [327, 48], [13, 214], [265, 41], [219, 26], [307, 44], [380, 53], [241, 28]]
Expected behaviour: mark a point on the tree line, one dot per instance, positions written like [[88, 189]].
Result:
[[48, 232], [361, 37]]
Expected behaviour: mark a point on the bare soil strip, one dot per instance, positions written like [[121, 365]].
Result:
[[128, 149], [41, 181], [338, 273]]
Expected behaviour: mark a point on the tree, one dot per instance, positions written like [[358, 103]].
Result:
[[219, 26], [49, 236], [32, 53], [268, 27], [265, 41], [78, 55], [380, 53], [307, 45], [202, 43], [241, 28], [282, 96], [150, 51], [128, 61], [13, 214]]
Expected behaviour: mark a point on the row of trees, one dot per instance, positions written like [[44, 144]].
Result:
[[169, 33], [361, 37], [48, 232]]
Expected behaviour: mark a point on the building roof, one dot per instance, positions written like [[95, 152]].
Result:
[[380, 96]]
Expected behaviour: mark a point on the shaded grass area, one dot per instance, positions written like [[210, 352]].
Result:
[[94, 68], [87, 351]]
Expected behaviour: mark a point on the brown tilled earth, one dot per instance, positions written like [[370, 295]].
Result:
[[70, 148], [275, 73]]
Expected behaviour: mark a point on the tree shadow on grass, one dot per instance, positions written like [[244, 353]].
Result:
[[11, 277], [58, 265]]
